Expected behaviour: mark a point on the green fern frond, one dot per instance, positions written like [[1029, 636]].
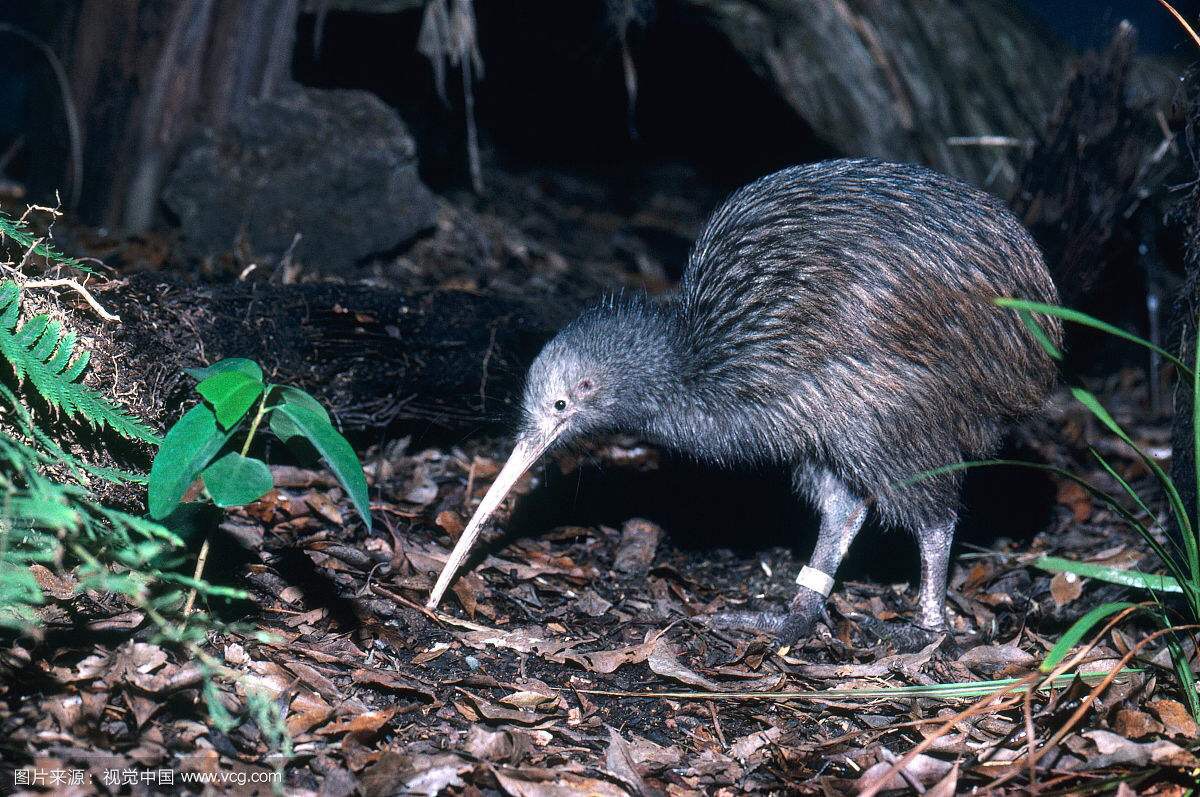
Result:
[[22, 236], [39, 352]]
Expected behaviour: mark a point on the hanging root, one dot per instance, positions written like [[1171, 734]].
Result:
[[448, 38]]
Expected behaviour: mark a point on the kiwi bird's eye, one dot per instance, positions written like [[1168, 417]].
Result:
[[560, 405]]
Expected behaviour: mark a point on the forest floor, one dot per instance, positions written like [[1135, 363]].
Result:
[[571, 657], [573, 661]]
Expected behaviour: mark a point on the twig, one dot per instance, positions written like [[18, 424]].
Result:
[[199, 571], [712, 710], [487, 358], [202, 559], [981, 705], [1085, 705], [75, 286]]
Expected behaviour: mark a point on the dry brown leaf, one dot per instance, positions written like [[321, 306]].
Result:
[[1065, 587], [1115, 749], [620, 762], [320, 503], [947, 786], [391, 681], [307, 710], [922, 769], [607, 661], [141, 707], [991, 659], [1135, 724], [497, 713], [542, 783], [425, 656], [488, 745], [591, 604], [450, 522], [530, 701], [664, 661], [1175, 717], [1073, 496], [746, 746], [363, 723], [314, 679], [419, 774], [467, 588]]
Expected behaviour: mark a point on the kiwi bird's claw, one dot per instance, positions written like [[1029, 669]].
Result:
[[906, 637], [787, 628]]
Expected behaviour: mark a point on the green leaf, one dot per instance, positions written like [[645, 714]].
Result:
[[1039, 334], [188, 447], [1067, 314], [41, 354], [336, 452], [283, 426], [1191, 550], [1077, 631], [234, 480], [231, 394], [205, 588], [1113, 575], [238, 364], [218, 715]]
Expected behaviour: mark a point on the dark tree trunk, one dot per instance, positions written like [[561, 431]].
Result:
[[904, 81], [1091, 165], [1187, 314], [147, 73]]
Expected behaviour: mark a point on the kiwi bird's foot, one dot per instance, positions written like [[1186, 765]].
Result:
[[788, 628], [907, 637]]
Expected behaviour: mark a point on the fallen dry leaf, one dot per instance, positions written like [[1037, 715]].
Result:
[[450, 522], [619, 761], [922, 769], [1135, 724], [639, 542], [1065, 587], [541, 783], [365, 723], [1073, 496], [1175, 717]]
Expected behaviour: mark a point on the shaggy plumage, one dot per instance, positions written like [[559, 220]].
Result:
[[836, 317]]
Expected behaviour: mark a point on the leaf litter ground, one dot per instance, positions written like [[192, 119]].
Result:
[[526, 682]]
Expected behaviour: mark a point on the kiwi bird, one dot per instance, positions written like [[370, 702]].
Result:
[[836, 318]]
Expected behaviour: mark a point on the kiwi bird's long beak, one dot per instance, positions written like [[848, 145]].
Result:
[[524, 454]]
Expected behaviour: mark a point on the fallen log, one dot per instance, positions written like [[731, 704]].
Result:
[[373, 356]]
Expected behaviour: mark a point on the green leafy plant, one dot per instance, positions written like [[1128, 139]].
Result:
[[198, 445], [49, 515], [1181, 558], [203, 443], [46, 358]]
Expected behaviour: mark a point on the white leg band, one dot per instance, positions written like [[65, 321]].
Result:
[[818, 582]]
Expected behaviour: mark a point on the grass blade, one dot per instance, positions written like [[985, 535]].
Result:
[[1113, 575], [1077, 632], [1067, 314]]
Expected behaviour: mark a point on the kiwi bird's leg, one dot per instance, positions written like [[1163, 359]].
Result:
[[842, 515], [935, 542]]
